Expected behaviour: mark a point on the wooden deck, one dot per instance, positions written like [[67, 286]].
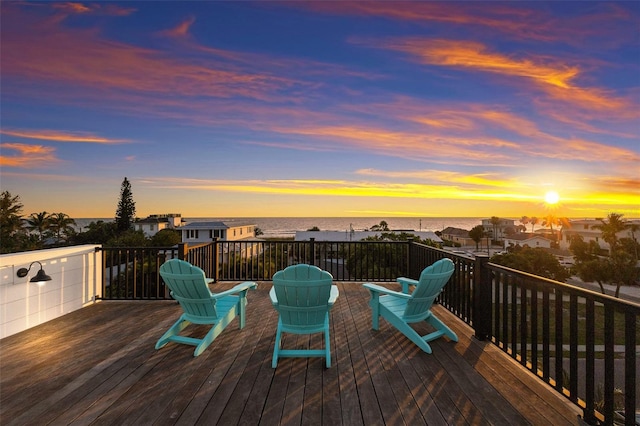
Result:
[[99, 366]]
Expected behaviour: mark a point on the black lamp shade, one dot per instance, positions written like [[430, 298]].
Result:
[[40, 276]]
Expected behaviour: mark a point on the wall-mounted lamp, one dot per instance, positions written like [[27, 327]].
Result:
[[39, 278]]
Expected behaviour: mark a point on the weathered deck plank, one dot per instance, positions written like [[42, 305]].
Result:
[[98, 366]]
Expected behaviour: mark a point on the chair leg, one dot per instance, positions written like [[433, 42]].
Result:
[[174, 330], [375, 311], [276, 346], [408, 331], [327, 344], [442, 327], [208, 338], [241, 310]]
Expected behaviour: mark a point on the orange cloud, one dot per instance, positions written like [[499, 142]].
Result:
[[182, 29], [466, 54], [52, 135], [517, 21], [555, 78], [72, 7], [27, 156], [93, 8], [339, 188], [415, 146], [44, 51], [471, 118], [449, 177]]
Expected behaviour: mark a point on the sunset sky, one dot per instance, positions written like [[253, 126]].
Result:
[[242, 109]]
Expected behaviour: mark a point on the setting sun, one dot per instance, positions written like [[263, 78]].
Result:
[[551, 197]]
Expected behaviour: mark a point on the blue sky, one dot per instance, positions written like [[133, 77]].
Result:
[[425, 109]]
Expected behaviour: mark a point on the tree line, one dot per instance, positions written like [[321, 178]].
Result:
[[47, 230]]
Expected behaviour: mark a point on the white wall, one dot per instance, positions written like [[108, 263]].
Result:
[[76, 274]]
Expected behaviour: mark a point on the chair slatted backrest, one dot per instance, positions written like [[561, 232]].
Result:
[[188, 285], [432, 280], [303, 295]]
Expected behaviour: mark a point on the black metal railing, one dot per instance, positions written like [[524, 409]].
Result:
[[581, 343], [346, 261], [132, 273]]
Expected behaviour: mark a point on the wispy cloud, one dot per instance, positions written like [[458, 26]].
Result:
[[594, 26], [91, 66], [181, 30], [95, 8], [472, 124], [553, 76], [492, 180], [338, 188], [58, 136], [475, 55], [26, 156]]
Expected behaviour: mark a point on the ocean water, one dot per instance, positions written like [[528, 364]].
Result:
[[282, 227]]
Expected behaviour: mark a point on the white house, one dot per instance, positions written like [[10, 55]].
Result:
[[157, 222], [204, 232], [503, 228], [584, 228], [245, 244], [528, 240], [458, 235]]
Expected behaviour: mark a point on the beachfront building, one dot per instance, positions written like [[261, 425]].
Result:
[[527, 240], [154, 223], [353, 235], [502, 228], [205, 232], [584, 228], [246, 244], [458, 236]]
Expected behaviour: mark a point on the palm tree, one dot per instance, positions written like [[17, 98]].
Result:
[[383, 226], [550, 220], [610, 229], [39, 222], [10, 215], [533, 221], [61, 223], [524, 220], [476, 234], [634, 227], [495, 221]]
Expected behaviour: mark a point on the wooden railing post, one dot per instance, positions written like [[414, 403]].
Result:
[[183, 248], [482, 298], [214, 259], [410, 242], [312, 250]]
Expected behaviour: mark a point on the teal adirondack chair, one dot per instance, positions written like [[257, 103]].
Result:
[[303, 295], [189, 287], [402, 309]]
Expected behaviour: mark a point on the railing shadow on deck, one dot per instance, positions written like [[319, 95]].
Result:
[[581, 343]]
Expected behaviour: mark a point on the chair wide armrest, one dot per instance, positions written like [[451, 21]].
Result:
[[242, 287], [272, 296], [406, 282], [334, 295], [373, 288]]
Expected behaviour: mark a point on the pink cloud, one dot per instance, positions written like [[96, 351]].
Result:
[[54, 135], [602, 23], [552, 77], [46, 52], [181, 30], [93, 8], [26, 156]]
